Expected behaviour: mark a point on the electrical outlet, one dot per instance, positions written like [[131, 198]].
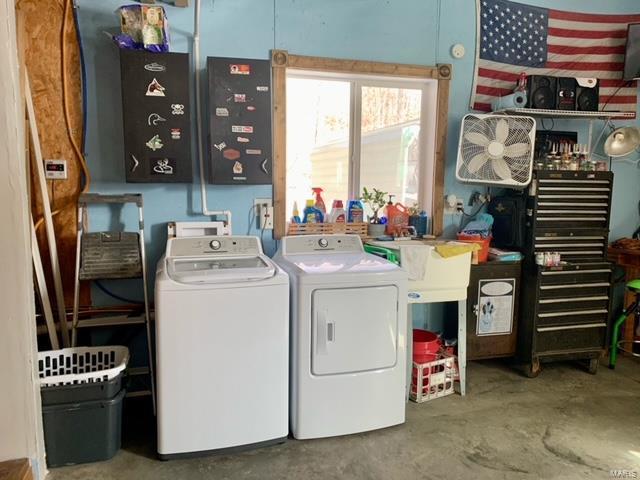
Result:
[[264, 213], [451, 204]]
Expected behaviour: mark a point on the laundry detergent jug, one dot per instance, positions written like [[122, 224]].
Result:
[[397, 219]]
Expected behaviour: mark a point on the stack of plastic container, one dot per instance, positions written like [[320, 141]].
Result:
[[434, 371], [82, 395]]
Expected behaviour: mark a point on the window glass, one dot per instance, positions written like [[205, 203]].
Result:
[[318, 116], [389, 149]]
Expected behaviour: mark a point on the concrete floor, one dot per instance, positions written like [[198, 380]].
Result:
[[564, 424]]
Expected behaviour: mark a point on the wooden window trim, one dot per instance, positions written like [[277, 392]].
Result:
[[281, 60]]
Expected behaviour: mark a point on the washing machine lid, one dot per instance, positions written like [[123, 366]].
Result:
[[220, 269], [217, 259]]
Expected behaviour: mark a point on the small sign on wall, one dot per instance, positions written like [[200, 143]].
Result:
[[495, 306]]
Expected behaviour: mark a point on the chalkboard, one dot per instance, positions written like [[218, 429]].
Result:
[[156, 116], [239, 121]]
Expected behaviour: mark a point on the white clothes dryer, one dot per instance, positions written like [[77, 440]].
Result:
[[348, 336]]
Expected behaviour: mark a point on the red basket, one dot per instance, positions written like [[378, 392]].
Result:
[[483, 253]]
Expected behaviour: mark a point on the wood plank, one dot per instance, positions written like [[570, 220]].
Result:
[[337, 65], [442, 123], [16, 470], [41, 47], [279, 89]]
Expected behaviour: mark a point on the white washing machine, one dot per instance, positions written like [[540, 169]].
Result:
[[348, 336], [222, 340]]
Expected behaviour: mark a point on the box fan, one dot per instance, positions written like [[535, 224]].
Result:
[[496, 150]]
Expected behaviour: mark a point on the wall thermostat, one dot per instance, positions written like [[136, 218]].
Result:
[[457, 51], [55, 169]]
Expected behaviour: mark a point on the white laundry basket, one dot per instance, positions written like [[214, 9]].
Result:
[[80, 365]]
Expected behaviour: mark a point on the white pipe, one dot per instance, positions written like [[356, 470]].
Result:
[[48, 222], [199, 143]]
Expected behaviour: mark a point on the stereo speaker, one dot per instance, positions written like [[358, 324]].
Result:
[[587, 95], [566, 93], [542, 91]]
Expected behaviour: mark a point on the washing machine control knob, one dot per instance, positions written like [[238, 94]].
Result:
[[323, 243], [215, 244]]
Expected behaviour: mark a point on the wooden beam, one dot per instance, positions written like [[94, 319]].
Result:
[[442, 120], [360, 66], [279, 91]]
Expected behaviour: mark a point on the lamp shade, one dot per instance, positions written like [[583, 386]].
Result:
[[622, 141]]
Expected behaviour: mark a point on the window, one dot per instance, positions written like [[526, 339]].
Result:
[[343, 125]]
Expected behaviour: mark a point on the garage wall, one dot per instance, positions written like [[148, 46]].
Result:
[[20, 414], [406, 31]]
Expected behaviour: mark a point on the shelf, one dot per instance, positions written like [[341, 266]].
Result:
[[541, 112]]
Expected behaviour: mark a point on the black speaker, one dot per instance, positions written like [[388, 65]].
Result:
[[588, 98], [541, 92], [566, 99]]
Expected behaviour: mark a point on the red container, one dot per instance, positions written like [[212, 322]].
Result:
[[426, 346], [483, 253]]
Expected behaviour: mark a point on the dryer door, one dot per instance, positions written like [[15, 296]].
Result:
[[354, 329]]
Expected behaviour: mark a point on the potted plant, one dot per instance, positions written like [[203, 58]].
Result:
[[375, 200]]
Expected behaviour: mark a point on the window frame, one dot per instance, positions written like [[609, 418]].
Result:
[[282, 62]]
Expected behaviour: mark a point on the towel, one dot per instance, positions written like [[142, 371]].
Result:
[[413, 259], [453, 249]]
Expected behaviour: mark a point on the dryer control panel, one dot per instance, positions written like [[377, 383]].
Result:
[[321, 243], [213, 245]]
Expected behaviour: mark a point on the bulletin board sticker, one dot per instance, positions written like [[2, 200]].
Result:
[[495, 306]]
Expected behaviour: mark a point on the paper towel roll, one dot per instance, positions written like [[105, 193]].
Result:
[[515, 100]]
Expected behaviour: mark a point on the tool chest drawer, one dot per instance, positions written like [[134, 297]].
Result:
[[574, 245], [571, 199], [575, 274], [576, 316], [557, 339]]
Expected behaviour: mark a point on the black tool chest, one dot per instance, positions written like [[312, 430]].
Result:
[[565, 309]]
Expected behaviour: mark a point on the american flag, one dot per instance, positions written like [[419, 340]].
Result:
[[516, 38]]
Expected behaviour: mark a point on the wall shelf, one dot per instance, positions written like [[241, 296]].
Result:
[[542, 112]]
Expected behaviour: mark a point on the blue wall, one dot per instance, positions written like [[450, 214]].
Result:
[[402, 31]]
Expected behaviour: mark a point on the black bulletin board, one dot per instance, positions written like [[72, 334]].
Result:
[[156, 116], [239, 121]]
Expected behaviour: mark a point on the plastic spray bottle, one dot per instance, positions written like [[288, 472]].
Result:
[[319, 201]]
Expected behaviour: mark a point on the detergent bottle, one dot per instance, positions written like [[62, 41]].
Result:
[[311, 213], [397, 218], [319, 201], [355, 211], [337, 215], [295, 218]]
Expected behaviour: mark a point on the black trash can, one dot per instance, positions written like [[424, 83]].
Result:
[[82, 432]]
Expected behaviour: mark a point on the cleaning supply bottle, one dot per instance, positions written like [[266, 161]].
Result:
[[311, 213], [319, 201], [355, 211], [295, 218], [337, 215]]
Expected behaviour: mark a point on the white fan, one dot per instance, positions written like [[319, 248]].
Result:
[[496, 150]]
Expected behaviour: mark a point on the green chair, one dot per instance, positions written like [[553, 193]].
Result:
[[616, 343]]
